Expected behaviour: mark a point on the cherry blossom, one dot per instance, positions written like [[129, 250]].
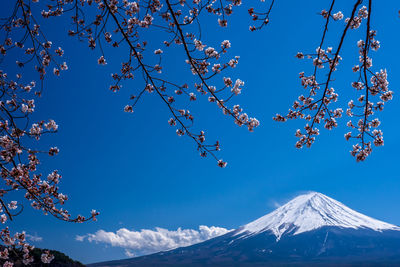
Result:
[[25, 42], [316, 108]]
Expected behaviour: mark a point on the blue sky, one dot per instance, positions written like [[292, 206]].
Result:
[[140, 175]]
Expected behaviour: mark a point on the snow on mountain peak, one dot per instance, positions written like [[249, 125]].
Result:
[[309, 212]]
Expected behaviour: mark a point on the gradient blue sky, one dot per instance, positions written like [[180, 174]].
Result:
[[139, 174]]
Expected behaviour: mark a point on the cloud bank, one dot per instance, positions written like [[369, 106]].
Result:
[[148, 241]]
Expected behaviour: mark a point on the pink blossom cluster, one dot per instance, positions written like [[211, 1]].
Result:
[[25, 43], [179, 21], [314, 107], [261, 17]]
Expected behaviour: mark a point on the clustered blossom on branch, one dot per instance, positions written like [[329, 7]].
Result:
[[261, 17], [24, 44], [315, 106], [125, 23]]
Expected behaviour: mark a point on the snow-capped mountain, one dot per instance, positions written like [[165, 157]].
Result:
[[309, 212], [312, 229]]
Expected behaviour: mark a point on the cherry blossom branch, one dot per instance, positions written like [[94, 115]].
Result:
[[260, 16], [378, 86], [150, 78], [365, 51], [24, 41]]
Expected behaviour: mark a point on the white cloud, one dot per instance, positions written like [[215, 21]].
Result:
[[80, 238], [149, 241], [34, 238]]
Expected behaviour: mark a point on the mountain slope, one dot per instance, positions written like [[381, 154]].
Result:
[[312, 211], [310, 230]]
